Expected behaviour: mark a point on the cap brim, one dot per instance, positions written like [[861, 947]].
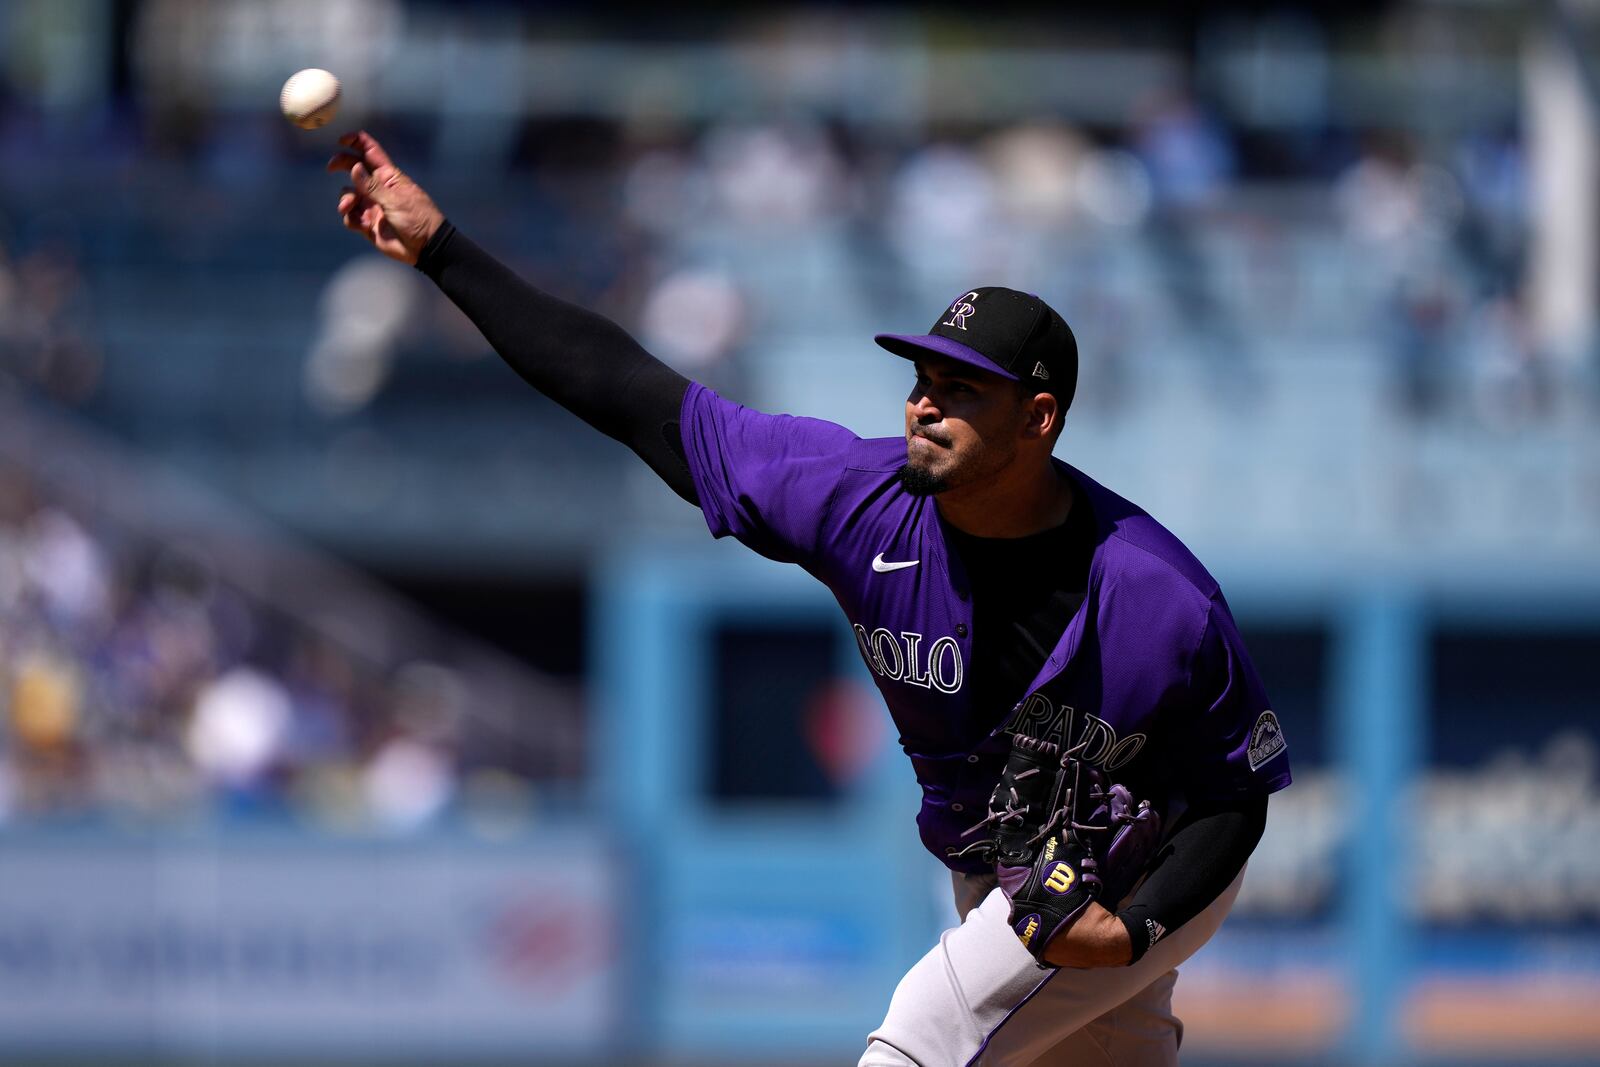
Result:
[[914, 345]]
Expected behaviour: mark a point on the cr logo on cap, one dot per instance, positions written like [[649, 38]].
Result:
[[960, 310]]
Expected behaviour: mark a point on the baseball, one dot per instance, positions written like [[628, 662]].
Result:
[[310, 98]]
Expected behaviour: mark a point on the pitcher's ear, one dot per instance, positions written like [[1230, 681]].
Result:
[[1044, 416]]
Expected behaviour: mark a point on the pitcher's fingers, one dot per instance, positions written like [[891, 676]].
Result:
[[342, 162], [368, 147], [353, 203], [366, 182]]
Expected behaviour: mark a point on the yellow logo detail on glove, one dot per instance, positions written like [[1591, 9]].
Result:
[[1060, 879]]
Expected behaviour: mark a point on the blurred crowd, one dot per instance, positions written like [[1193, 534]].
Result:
[[1178, 235], [711, 243], [1180, 227], [138, 682]]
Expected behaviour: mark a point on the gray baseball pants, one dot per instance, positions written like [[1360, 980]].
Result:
[[977, 999]]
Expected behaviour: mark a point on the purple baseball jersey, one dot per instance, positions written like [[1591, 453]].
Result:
[[1150, 673]]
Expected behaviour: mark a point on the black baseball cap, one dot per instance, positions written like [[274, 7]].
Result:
[[1015, 335]]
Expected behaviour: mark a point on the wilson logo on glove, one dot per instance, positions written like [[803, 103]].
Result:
[[1060, 880]]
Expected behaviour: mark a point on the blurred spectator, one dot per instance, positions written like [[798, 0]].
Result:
[[1494, 176], [773, 177], [1402, 215], [44, 312], [666, 192], [66, 568], [238, 728], [1113, 188], [1036, 169], [941, 220], [693, 319], [366, 309], [1511, 386], [1186, 150], [407, 784], [1191, 163]]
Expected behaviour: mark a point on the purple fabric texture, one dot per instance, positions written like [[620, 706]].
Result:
[[1151, 677]]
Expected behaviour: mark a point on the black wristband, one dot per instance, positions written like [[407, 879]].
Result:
[[1143, 931], [426, 259]]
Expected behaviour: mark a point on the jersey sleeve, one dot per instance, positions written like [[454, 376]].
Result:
[[767, 480], [1234, 743]]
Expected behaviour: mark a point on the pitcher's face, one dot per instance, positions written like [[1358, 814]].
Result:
[[963, 424]]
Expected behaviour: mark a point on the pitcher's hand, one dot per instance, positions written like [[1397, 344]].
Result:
[[381, 203]]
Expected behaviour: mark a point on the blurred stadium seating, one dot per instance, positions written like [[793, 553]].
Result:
[[167, 661]]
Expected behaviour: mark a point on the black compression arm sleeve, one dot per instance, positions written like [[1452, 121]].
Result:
[[583, 361], [1206, 851]]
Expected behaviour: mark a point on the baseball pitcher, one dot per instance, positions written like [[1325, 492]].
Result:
[[1094, 747]]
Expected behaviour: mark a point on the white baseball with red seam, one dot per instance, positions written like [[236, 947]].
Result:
[[310, 98]]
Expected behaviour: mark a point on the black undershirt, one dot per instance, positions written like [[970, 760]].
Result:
[[1017, 618], [592, 367]]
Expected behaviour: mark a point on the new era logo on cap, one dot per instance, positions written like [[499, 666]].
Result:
[[1013, 334]]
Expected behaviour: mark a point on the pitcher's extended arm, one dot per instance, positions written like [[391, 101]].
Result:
[[583, 361]]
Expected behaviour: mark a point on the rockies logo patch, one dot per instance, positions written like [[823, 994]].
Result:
[[1266, 740]]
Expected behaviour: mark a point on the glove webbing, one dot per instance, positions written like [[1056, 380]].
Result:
[[1061, 805]]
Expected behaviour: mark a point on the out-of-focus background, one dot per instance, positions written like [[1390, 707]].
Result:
[[359, 705]]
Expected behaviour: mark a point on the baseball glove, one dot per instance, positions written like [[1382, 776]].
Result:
[[1060, 837]]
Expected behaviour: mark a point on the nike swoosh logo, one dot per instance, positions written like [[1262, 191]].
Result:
[[884, 568]]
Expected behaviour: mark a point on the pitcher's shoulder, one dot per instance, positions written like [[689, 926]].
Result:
[[1139, 548]]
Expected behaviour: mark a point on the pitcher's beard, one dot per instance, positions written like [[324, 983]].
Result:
[[920, 482]]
